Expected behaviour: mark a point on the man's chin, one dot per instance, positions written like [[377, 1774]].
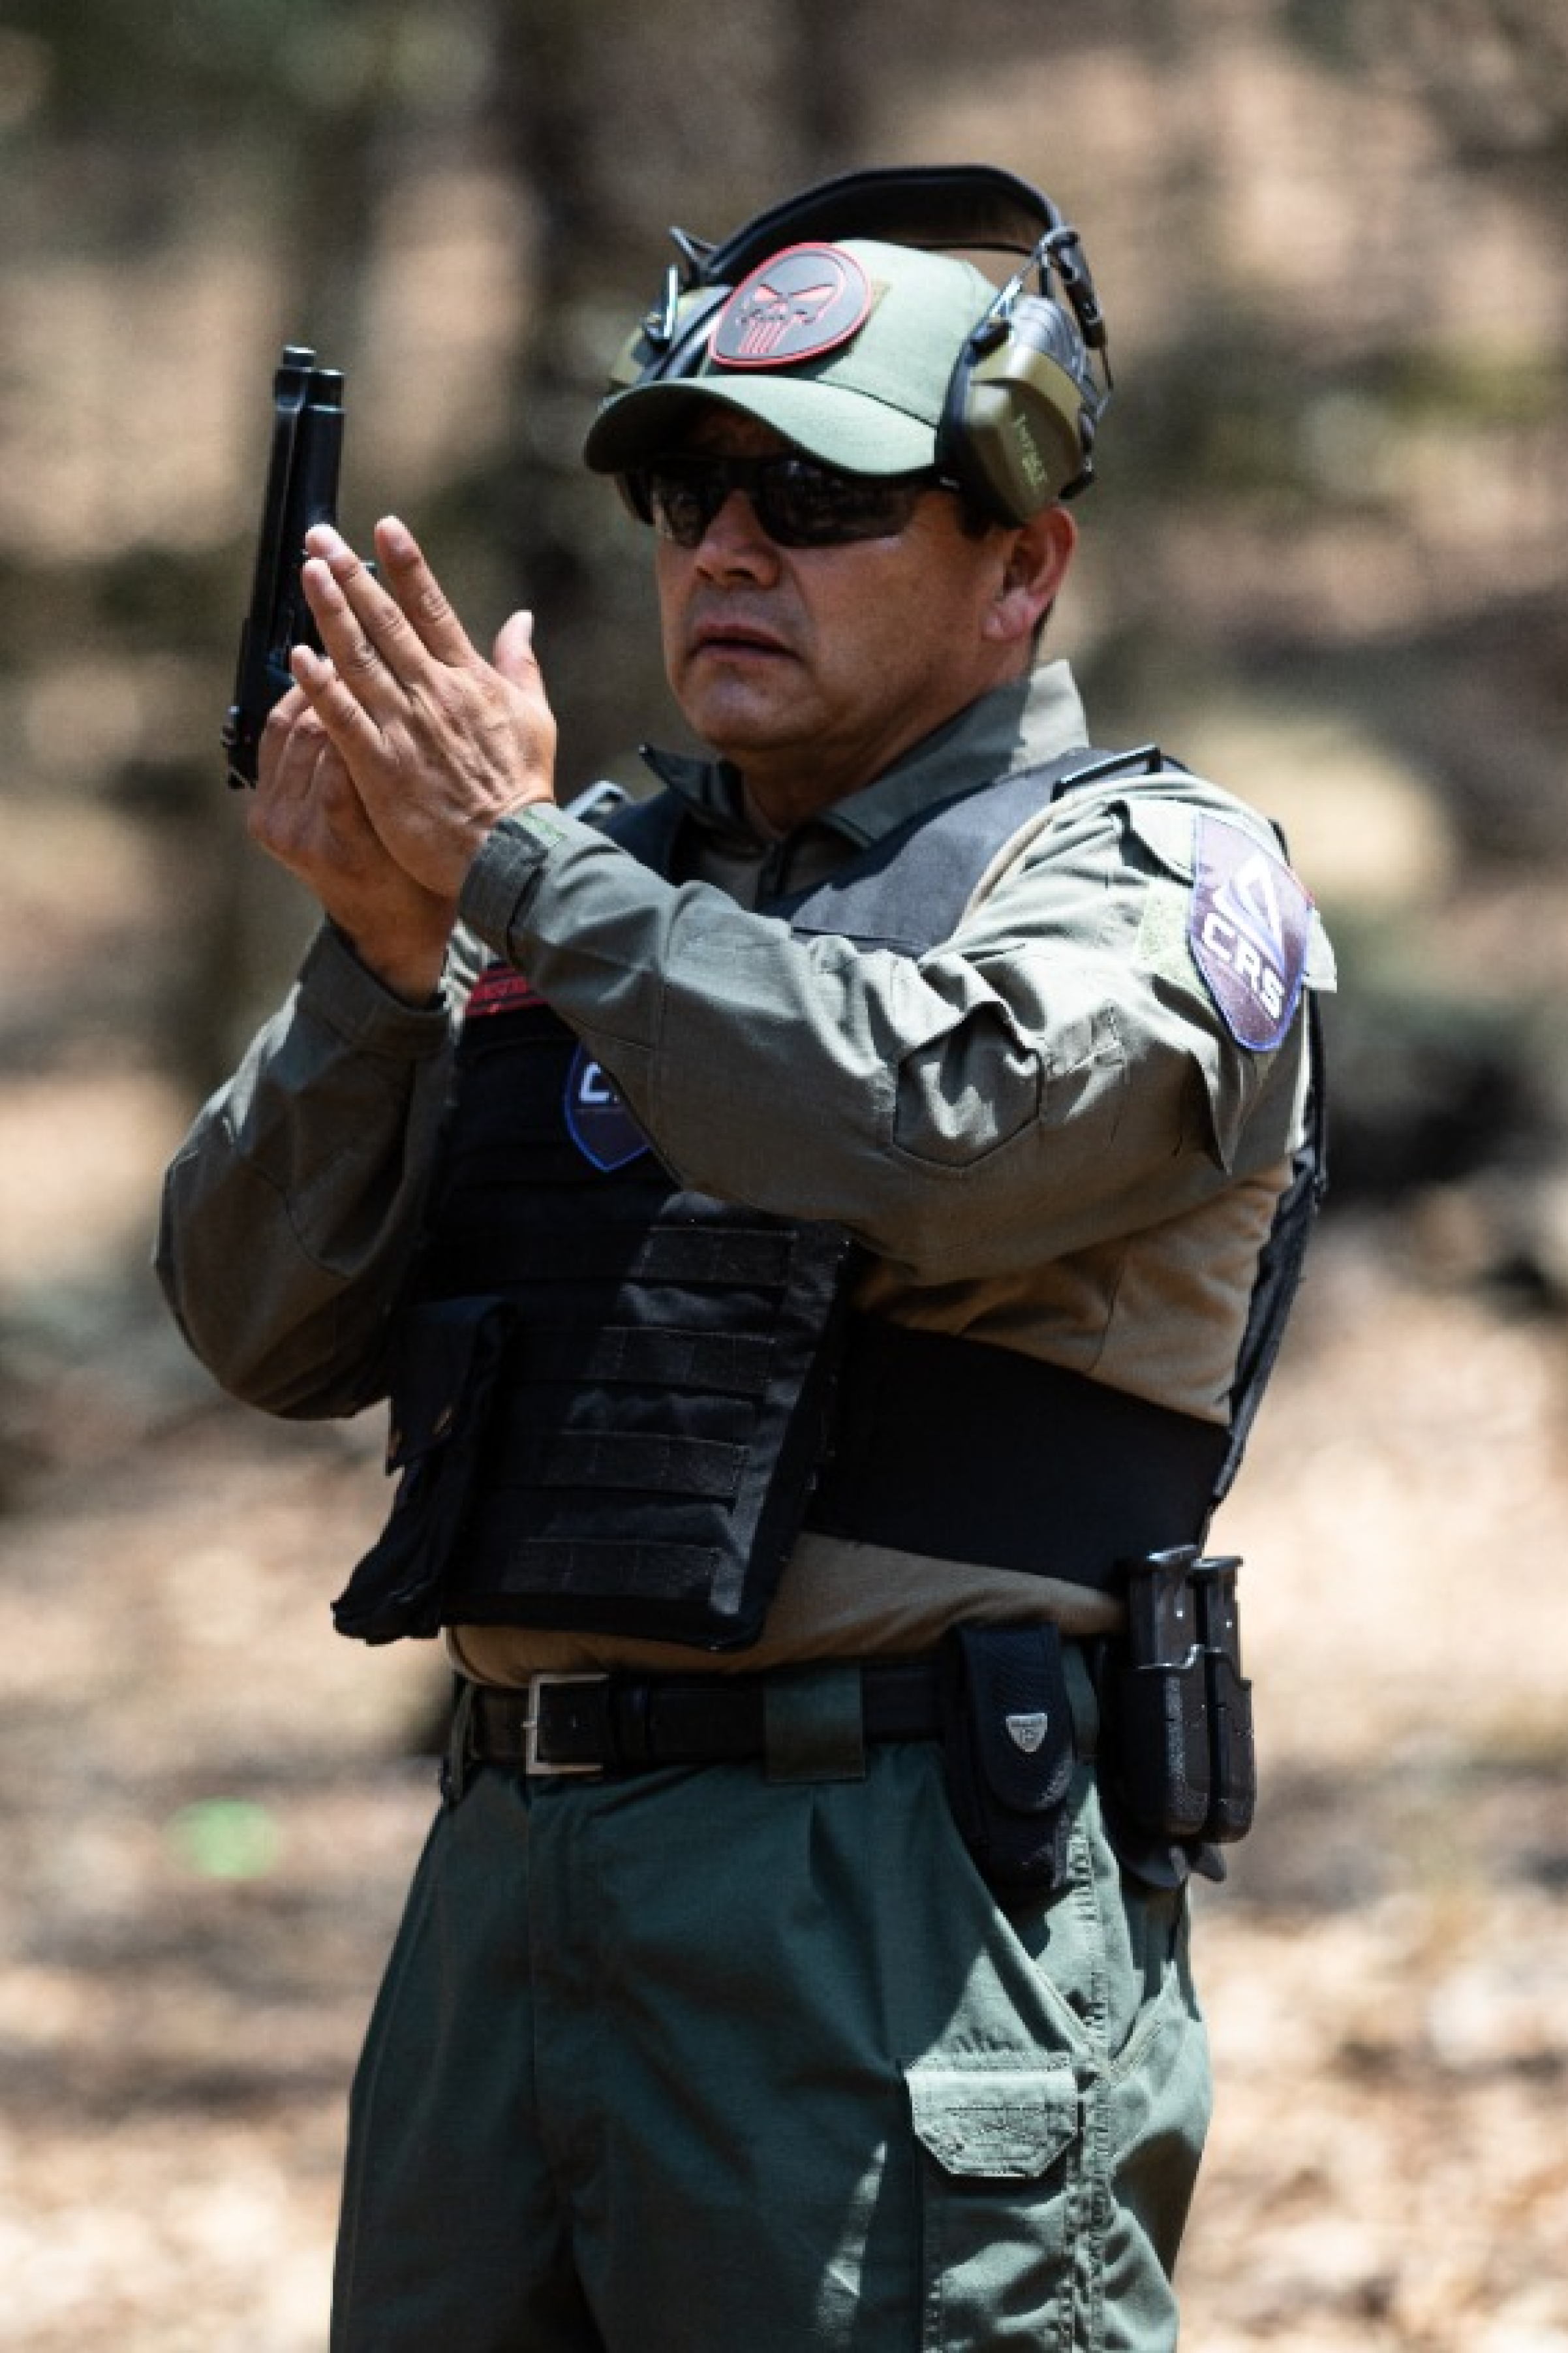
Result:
[[739, 727]]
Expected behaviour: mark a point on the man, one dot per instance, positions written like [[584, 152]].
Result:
[[817, 1331]]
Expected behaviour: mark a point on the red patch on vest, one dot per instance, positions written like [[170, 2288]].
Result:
[[806, 301], [501, 988]]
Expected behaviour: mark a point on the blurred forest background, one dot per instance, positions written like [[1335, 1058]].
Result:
[[1327, 560]]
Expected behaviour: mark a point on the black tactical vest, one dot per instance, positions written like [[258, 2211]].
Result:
[[619, 1400]]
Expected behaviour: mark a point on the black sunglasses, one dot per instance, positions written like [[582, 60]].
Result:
[[798, 503]]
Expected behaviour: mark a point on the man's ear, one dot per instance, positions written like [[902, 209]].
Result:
[[1034, 568]]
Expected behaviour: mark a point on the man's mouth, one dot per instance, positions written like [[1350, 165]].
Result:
[[735, 637]]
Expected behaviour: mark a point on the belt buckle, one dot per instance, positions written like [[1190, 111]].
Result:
[[533, 1764]]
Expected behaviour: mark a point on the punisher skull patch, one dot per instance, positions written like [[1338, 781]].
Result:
[[807, 300], [1251, 921], [598, 1122]]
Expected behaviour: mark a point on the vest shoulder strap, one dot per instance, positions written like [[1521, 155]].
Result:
[[909, 890]]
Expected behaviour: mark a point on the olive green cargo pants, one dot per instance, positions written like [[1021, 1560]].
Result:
[[697, 2062]]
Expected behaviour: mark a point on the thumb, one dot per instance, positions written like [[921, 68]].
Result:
[[514, 655]]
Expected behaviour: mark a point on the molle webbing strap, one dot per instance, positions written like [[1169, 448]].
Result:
[[758, 1257], [722, 1364], [961, 1451]]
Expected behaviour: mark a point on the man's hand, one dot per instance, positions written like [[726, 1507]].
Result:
[[438, 741], [306, 813]]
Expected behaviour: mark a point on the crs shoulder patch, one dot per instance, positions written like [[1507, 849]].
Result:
[[1250, 923]]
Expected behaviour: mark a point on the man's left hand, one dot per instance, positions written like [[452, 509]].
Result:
[[439, 743]]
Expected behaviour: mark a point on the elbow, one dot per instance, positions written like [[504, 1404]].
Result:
[[308, 1372]]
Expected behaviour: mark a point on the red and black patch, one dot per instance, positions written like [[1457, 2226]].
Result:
[[806, 301], [501, 988]]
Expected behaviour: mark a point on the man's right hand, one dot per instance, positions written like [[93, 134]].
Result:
[[306, 813]]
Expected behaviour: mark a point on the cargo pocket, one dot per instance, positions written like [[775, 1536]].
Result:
[[998, 2147]]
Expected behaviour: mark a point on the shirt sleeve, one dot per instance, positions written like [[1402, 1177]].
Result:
[[291, 1211], [1056, 1074]]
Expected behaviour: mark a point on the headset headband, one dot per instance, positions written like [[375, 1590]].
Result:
[[1031, 378], [937, 207], [941, 208]]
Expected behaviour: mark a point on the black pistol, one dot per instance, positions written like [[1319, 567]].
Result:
[[301, 491]]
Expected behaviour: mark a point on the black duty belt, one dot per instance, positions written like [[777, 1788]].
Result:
[[630, 1724]]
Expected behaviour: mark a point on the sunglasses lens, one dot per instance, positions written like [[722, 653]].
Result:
[[677, 501], [798, 503], [812, 506]]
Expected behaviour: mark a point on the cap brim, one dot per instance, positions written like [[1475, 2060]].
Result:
[[843, 429]]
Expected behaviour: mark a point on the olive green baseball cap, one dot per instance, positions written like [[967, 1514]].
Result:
[[847, 350]]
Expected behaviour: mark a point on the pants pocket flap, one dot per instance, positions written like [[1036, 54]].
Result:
[[998, 2123]]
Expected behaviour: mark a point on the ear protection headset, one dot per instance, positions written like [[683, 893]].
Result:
[[1029, 384]]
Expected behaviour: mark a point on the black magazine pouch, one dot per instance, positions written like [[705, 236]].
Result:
[[452, 1350], [1007, 1741]]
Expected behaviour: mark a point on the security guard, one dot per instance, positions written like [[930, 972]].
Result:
[[822, 1231]]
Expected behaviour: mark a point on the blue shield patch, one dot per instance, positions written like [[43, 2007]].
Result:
[[598, 1122]]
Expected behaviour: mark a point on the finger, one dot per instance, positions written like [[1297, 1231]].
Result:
[[420, 595], [280, 808], [340, 710], [289, 725], [361, 642], [354, 574], [387, 634]]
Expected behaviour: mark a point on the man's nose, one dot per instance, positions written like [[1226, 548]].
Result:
[[736, 537]]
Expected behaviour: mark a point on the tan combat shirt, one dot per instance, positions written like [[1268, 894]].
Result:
[[1042, 1131]]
